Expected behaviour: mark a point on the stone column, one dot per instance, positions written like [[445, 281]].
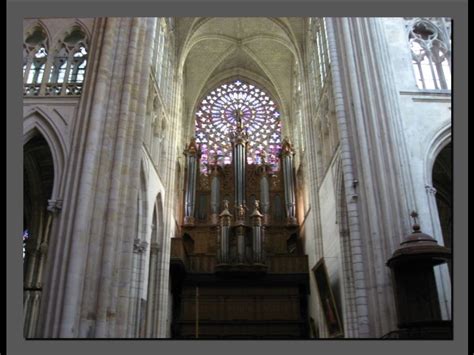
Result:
[[107, 298], [78, 242], [128, 214], [152, 306], [135, 293], [372, 143]]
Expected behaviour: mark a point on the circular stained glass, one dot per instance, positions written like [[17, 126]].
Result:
[[217, 116]]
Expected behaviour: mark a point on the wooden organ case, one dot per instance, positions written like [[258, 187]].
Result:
[[238, 269]]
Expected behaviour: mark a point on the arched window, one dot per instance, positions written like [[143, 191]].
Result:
[[58, 69], [431, 51], [216, 119], [60, 72], [35, 57], [69, 65]]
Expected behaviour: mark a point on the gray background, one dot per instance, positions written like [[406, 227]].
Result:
[[18, 9]]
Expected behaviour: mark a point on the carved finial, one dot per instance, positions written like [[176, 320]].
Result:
[[263, 156], [225, 212], [238, 114], [241, 212], [192, 147], [256, 211], [287, 146], [416, 226]]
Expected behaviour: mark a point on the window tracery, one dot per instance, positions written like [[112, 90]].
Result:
[[62, 72], [430, 46], [217, 117], [35, 56], [319, 54]]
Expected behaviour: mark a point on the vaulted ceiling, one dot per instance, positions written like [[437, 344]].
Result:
[[263, 50]]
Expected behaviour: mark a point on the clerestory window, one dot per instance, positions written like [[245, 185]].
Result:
[[58, 72], [430, 46]]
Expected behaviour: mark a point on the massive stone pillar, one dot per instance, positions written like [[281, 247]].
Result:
[[89, 273], [378, 188]]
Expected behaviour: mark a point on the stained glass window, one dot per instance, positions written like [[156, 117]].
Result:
[[216, 119], [26, 235]]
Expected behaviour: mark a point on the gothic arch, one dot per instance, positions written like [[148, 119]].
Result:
[[153, 307], [440, 203], [440, 140], [239, 73], [214, 79], [38, 122], [39, 179]]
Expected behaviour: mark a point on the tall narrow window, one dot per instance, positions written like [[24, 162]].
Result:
[[430, 48], [78, 65], [35, 57], [35, 76], [319, 53], [58, 70]]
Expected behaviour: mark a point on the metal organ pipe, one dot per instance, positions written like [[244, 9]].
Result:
[[289, 180], [192, 154]]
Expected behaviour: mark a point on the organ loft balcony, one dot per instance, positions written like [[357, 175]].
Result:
[[257, 233]]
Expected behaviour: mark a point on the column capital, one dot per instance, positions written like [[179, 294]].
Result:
[[430, 189], [55, 205], [139, 246]]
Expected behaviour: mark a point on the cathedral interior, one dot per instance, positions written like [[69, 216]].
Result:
[[237, 178]]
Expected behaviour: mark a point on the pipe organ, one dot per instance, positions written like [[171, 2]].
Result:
[[240, 218]]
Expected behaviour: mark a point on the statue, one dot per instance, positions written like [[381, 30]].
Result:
[[287, 146], [192, 147], [263, 156], [241, 212], [257, 205], [256, 210], [226, 204], [238, 115]]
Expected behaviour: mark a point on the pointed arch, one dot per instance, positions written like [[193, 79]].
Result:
[[38, 122], [439, 141], [38, 182], [153, 306]]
